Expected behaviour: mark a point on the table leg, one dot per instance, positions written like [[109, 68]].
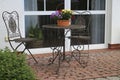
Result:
[[66, 33], [64, 47]]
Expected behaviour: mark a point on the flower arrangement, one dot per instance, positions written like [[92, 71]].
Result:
[[63, 14]]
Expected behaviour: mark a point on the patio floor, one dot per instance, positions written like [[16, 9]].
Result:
[[102, 65]]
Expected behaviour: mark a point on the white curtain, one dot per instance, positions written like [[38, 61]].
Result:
[[97, 4], [98, 22], [30, 5]]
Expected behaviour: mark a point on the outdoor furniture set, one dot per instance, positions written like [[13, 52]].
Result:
[[79, 36]]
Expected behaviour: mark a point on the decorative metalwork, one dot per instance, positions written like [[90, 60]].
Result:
[[12, 24], [81, 38], [11, 20], [58, 53]]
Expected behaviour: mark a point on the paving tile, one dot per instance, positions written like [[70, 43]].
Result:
[[113, 78], [101, 79], [101, 65], [90, 79]]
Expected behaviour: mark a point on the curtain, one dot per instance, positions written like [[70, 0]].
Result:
[[97, 4], [30, 5], [97, 29], [98, 22]]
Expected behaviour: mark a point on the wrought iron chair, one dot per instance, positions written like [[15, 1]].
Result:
[[80, 39], [11, 20]]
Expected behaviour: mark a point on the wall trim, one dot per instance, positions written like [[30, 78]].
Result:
[[114, 46]]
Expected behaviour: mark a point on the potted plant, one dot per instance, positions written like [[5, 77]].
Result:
[[62, 16], [36, 32]]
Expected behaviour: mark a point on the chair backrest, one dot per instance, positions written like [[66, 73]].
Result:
[[87, 18], [11, 20], [83, 18]]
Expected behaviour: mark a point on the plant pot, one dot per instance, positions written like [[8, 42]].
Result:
[[63, 23]]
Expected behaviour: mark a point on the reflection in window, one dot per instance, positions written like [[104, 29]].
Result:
[[40, 5], [85, 5], [79, 4], [97, 27], [50, 36], [97, 4], [53, 5], [31, 5], [34, 20]]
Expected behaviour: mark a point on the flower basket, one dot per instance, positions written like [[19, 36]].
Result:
[[63, 23]]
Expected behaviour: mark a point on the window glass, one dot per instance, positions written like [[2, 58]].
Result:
[[40, 5], [83, 5], [97, 4], [34, 5], [53, 5], [49, 36], [79, 4], [96, 27]]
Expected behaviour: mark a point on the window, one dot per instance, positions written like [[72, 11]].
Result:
[[46, 7]]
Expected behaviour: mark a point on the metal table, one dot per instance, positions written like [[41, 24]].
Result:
[[68, 28], [58, 53]]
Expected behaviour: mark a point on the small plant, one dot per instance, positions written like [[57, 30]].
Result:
[[14, 67], [35, 32]]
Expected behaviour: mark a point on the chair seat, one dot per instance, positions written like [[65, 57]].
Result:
[[24, 39], [80, 37]]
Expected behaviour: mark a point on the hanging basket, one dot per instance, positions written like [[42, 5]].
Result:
[[63, 23]]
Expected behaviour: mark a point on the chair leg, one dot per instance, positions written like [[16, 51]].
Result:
[[30, 53], [54, 56], [32, 56], [80, 57]]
